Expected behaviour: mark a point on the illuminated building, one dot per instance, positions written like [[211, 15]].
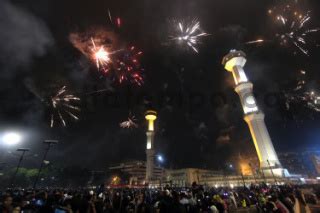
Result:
[[187, 176], [268, 159], [150, 116]]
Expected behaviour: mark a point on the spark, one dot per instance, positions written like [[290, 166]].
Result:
[[130, 123], [118, 22], [63, 104], [189, 35]]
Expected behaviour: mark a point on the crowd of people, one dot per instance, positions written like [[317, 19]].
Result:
[[195, 199]]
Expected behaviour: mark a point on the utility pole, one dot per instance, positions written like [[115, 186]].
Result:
[[275, 180], [243, 181], [49, 144], [23, 151], [263, 176]]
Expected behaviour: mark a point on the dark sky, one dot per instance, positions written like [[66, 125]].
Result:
[[36, 57]]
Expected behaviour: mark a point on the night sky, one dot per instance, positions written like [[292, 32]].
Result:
[[199, 121]]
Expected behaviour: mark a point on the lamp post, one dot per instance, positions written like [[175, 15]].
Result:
[[253, 171], [263, 175], [23, 151], [275, 180], [160, 160], [49, 144]]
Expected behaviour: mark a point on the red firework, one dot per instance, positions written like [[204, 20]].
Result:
[[127, 66]]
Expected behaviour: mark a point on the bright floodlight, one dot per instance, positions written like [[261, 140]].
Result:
[[11, 138]]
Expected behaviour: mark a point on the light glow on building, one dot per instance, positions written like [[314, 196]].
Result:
[[151, 116]]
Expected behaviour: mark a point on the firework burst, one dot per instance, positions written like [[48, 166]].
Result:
[[114, 60], [121, 65], [293, 28], [309, 99], [63, 104], [188, 34], [300, 94], [130, 123], [127, 66]]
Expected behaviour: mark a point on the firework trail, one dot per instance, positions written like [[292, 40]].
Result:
[[188, 34], [29, 84], [63, 104], [255, 41], [130, 123], [99, 91], [110, 17]]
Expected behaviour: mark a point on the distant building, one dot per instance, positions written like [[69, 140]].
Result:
[[295, 162], [210, 178], [242, 170], [185, 177], [316, 162], [306, 163], [136, 170]]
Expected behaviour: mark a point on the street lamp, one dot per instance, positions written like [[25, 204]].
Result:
[[160, 158], [23, 151], [49, 144]]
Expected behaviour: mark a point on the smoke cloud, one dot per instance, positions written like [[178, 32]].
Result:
[[23, 36]]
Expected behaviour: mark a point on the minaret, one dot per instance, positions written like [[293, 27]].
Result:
[[150, 116], [269, 162]]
